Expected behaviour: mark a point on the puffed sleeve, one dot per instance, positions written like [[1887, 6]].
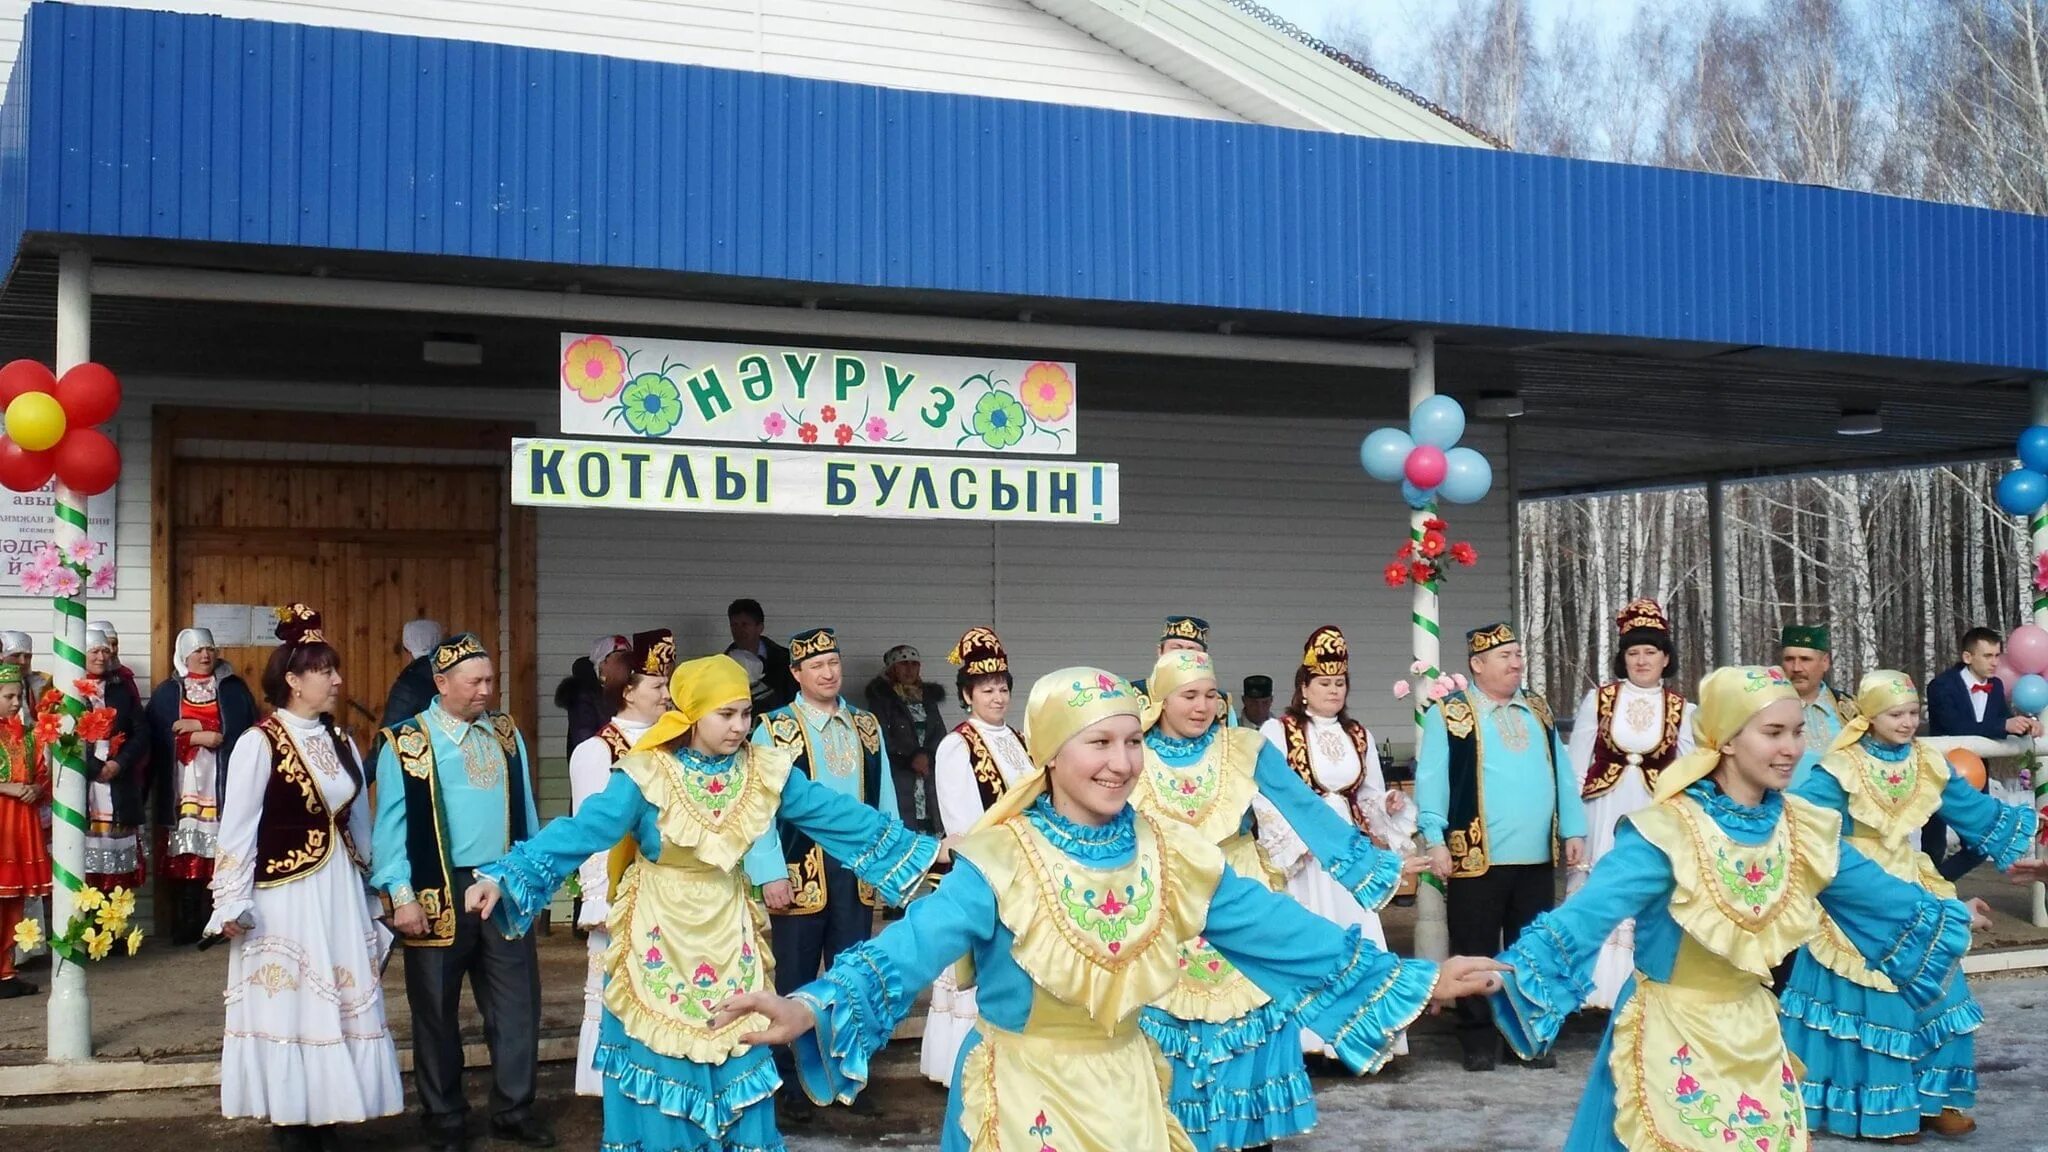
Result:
[[1553, 958], [1585, 733], [1276, 836], [528, 875], [953, 780], [872, 986], [875, 846], [1904, 931], [2002, 832], [241, 813], [1370, 873], [1346, 989], [590, 770]]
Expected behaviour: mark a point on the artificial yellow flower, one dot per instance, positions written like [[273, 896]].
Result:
[[134, 941], [98, 942], [120, 906], [28, 935], [88, 900], [115, 925]]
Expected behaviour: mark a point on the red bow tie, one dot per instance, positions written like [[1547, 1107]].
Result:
[[1981, 689]]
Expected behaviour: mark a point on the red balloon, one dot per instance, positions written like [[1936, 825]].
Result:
[[22, 470], [87, 462], [1426, 467], [90, 395], [21, 376]]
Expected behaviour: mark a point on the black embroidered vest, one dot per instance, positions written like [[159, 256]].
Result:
[[426, 834], [1609, 761], [1465, 833], [297, 832], [807, 861]]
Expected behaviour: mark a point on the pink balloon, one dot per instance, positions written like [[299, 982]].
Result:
[[1426, 469], [2007, 674], [2027, 649]]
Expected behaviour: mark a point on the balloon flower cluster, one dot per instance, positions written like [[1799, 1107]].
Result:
[[51, 429], [1426, 458], [2024, 669]]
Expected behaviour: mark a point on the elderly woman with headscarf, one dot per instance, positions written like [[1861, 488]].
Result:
[[1724, 876], [1074, 911], [195, 717], [1877, 1065], [116, 768], [685, 808]]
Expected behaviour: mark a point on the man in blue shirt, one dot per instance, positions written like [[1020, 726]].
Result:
[[453, 793], [1495, 790]]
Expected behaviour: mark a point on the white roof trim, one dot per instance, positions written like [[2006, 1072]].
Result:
[[1253, 70]]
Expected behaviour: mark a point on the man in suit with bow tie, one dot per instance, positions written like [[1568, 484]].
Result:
[[1969, 700]]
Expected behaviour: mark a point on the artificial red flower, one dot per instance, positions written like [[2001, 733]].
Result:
[[96, 725], [808, 433], [46, 728], [1434, 525], [828, 414], [1433, 544], [51, 698], [86, 687], [1422, 572], [114, 744], [1407, 551], [1463, 553], [1397, 575], [843, 434]]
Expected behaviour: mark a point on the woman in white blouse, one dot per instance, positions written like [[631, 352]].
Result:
[[635, 705], [976, 763], [1625, 733], [1333, 754]]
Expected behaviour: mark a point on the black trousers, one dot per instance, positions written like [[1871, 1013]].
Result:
[[806, 945], [1485, 914], [504, 978]]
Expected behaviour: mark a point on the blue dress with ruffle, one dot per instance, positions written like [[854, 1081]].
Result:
[[659, 1103], [1875, 1064], [1242, 1083], [1338, 982], [1917, 934]]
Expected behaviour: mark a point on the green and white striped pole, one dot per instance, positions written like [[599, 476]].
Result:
[[1432, 931], [70, 1019]]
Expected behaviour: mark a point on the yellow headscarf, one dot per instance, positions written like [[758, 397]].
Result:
[[696, 689], [1879, 691], [1174, 671], [1729, 697], [1063, 704]]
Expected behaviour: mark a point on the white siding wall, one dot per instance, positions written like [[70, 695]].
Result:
[[1001, 48]]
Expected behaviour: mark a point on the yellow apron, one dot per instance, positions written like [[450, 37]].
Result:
[[1211, 797], [1098, 945], [1887, 804], [686, 931]]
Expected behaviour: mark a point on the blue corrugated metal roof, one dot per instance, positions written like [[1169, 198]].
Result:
[[150, 124]]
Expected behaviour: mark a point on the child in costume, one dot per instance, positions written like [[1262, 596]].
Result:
[[1876, 1064], [1075, 909], [24, 848], [1239, 1080], [694, 797], [1724, 875]]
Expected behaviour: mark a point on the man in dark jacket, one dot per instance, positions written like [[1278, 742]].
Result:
[[414, 689], [584, 694], [746, 620], [1969, 700], [908, 708]]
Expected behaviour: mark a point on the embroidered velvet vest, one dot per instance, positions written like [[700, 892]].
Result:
[[1609, 761], [806, 860], [988, 775], [425, 835], [1465, 831], [297, 832]]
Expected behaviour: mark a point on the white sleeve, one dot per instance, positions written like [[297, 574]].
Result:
[[953, 780], [1585, 730], [1686, 741], [241, 811], [1276, 836], [590, 770]]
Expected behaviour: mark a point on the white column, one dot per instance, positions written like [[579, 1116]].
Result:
[[1717, 562], [1432, 934], [2039, 396], [70, 1013]]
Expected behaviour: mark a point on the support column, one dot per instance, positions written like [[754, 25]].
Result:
[[1723, 613], [1432, 933], [2039, 540], [70, 1013]]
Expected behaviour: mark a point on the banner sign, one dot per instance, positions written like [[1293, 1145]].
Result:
[[676, 478], [28, 520], [814, 397]]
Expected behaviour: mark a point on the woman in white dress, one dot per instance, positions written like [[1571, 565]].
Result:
[[635, 705], [306, 1044], [976, 763], [1333, 754], [1625, 733]]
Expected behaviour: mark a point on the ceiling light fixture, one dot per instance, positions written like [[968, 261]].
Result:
[[1859, 422]]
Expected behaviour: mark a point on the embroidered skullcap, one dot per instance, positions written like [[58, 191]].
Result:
[[811, 642], [457, 649], [189, 641], [1810, 636], [1729, 698], [1490, 637], [654, 653], [1878, 692], [1186, 628], [1172, 672], [1326, 653], [298, 626], [979, 652], [697, 689], [420, 636], [10, 673]]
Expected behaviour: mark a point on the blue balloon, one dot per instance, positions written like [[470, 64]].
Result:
[[1438, 422], [1467, 477], [2022, 491], [2030, 694], [1384, 453], [2034, 448], [1417, 498]]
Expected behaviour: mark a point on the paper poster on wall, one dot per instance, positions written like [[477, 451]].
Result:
[[675, 478], [778, 396], [229, 623], [28, 520]]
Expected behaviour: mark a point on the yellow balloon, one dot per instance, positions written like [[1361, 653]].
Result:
[[35, 421]]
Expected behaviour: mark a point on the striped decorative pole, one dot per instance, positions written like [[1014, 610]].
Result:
[[70, 1013], [2038, 536], [1432, 932]]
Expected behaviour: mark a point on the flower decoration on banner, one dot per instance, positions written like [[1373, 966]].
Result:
[[1426, 459], [64, 573], [1426, 561], [595, 368], [1004, 414], [52, 427], [841, 426]]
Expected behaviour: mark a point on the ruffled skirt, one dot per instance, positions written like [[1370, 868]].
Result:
[[656, 1103], [588, 1082], [24, 856], [1237, 1084], [1315, 890], [1874, 1066]]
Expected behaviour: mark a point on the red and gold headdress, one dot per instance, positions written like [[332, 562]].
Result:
[[1326, 653], [980, 653], [298, 625]]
